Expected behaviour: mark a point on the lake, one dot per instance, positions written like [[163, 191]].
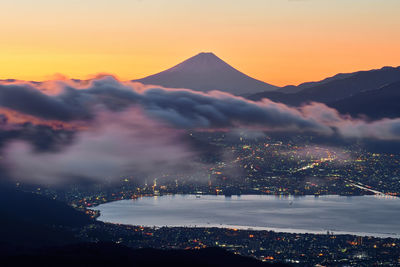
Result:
[[359, 215]]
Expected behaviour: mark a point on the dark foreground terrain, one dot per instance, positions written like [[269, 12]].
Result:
[[37, 231], [111, 254]]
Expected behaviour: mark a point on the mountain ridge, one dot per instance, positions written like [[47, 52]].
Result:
[[375, 104], [334, 89]]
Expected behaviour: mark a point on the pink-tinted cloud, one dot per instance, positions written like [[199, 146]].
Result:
[[117, 145], [123, 128]]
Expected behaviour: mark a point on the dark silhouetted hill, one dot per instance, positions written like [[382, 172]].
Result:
[[38, 209], [30, 220]]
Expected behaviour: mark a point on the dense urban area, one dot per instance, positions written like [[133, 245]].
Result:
[[295, 249], [241, 165]]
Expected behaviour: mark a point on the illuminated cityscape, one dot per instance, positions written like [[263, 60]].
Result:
[[262, 133], [267, 166]]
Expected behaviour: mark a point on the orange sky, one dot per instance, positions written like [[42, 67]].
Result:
[[277, 41]]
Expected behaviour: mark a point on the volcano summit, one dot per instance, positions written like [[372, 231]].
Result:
[[206, 72]]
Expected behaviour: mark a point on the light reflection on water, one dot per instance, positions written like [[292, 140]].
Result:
[[363, 215]]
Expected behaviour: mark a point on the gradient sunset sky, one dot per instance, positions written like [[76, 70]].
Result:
[[278, 41]]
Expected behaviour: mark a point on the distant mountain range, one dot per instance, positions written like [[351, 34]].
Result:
[[375, 104], [373, 93], [294, 89], [206, 72]]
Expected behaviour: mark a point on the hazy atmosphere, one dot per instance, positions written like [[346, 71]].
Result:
[[199, 133]]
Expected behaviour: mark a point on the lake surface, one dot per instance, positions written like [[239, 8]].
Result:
[[360, 215]]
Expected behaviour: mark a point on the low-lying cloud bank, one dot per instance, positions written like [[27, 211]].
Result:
[[116, 146], [105, 129]]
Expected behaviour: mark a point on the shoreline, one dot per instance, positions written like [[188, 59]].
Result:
[[266, 229], [97, 203], [262, 228]]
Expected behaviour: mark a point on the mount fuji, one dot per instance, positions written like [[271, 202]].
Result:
[[205, 72]]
